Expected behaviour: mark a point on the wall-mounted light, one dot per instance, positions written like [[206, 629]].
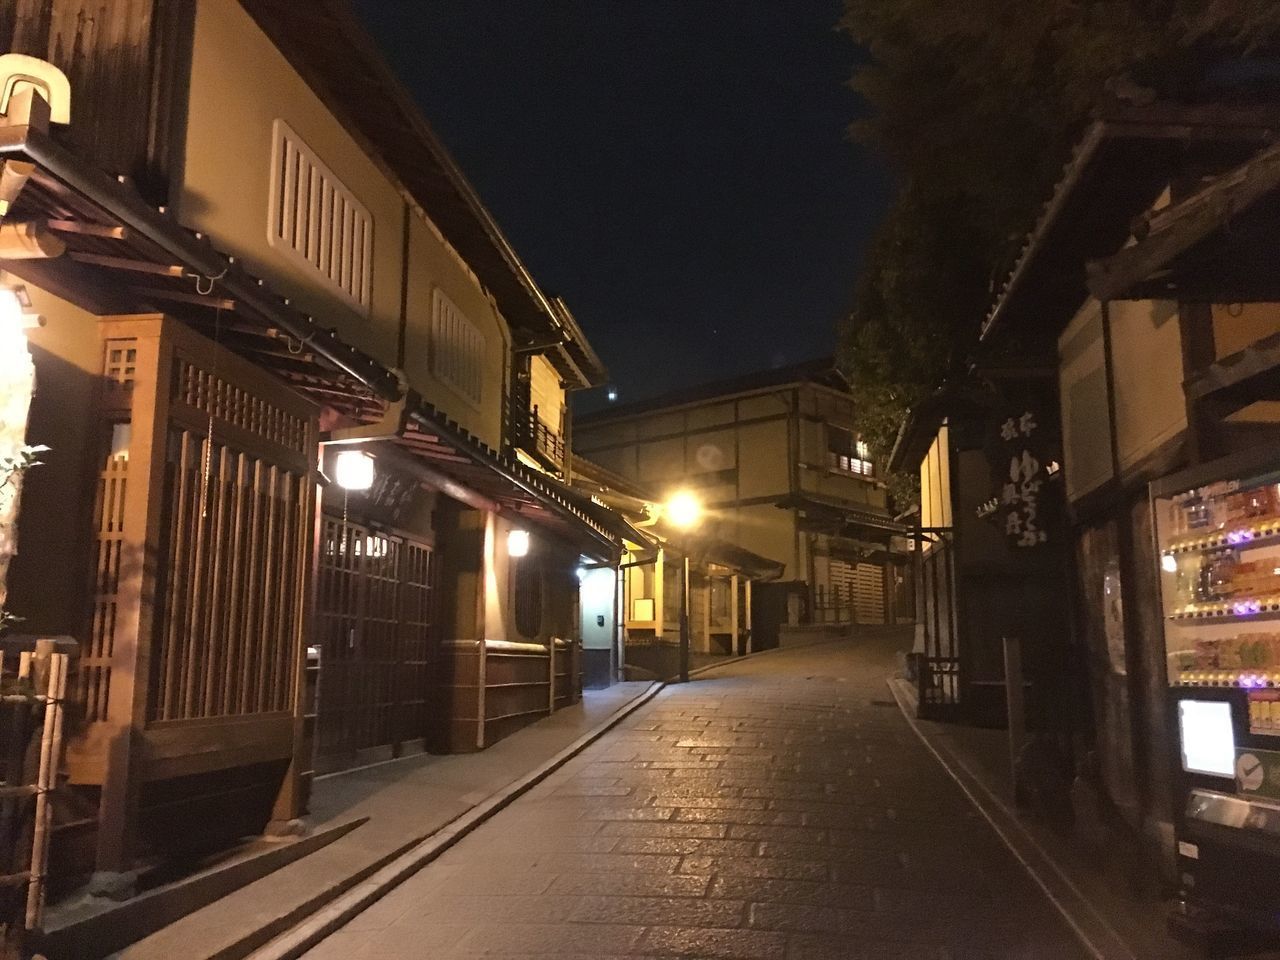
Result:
[[517, 543], [353, 470], [16, 314]]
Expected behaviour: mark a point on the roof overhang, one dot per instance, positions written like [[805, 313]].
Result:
[[1117, 172], [725, 554], [1218, 245], [124, 256], [841, 514]]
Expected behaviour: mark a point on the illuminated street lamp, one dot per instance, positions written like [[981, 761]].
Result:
[[683, 510]]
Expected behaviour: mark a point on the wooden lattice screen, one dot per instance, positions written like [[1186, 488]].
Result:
[[373, 619], [202, 566]]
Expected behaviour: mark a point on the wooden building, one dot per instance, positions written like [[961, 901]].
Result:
[[777, 459], [665, 573], [991, 546], [301, 507], [1148, 288]]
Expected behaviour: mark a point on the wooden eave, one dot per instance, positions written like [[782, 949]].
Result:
[[1117, 171], [1243, 378], [124, 256], [1217, 245], [840, 513]]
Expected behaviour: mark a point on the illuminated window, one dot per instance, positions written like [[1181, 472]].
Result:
[[318, 221], [847, 455], [457, 348]]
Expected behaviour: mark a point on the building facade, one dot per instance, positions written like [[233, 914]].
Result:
[[671, 581], [1147, 291], [303, 505], [777, 461]]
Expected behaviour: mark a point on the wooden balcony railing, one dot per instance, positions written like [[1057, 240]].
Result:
[[528, 432]]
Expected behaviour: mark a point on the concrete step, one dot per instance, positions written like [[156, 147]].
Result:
[[92, 927]]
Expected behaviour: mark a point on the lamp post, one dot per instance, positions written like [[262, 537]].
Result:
[[683, 510]]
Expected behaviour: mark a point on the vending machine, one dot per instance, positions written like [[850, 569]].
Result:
[[1217, 530]]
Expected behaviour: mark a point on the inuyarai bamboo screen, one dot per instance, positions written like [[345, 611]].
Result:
[[231, 588]]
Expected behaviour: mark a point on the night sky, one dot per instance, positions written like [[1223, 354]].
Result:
[[678, 170]]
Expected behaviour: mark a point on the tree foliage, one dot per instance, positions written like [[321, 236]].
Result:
[[976, 104]]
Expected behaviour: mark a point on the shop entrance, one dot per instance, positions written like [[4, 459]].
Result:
[[374, 627]]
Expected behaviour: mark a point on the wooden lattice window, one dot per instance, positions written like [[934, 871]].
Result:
[[373, 621], [109, 528], [231, 587], [528, 597]]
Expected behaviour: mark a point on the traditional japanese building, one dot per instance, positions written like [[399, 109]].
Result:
[[1147, 289], [303, 505], [667, 574], [777, 460]]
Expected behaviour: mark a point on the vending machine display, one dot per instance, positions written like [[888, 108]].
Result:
[[1218, 541]]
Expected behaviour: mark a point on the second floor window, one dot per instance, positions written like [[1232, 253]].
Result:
[[457, 348], [316, 220], [846, 454]]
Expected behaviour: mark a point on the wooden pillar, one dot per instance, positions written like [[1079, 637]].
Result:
[[735, 642], [747, 606], [145, 408], [659, 591], [707, 586]]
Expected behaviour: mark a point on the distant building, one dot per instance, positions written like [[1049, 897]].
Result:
[[777, 459], [631, 615]]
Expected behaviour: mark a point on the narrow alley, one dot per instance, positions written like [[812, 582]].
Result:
[[778, 807]]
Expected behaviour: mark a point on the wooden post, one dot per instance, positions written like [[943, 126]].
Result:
[[148, 405], [46, 781], [1014, 697], [747, 605], [735, 643], [659, 592], [551, 675], [684, 619], [708, 587]]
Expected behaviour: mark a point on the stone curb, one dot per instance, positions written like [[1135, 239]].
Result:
[[302, 937], [1098, 937]]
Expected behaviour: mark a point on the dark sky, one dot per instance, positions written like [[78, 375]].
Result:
[[677, 170]]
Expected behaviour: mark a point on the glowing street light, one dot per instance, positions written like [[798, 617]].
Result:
[[683, 510]]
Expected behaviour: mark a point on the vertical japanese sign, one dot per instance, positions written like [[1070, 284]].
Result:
[[1022, 448], [1020, 494]]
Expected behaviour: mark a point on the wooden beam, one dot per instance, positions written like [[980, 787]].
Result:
[[86, 229], [1179, 227], [181, 296], [123, 263]]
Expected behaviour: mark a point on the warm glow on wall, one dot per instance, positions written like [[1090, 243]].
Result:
[[353, 470]]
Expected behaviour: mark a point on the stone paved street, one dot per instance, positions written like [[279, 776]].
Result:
[[776, 808]]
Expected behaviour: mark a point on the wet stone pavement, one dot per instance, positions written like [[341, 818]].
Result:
[[779, 808]]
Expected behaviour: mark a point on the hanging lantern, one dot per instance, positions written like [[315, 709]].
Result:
[[353, 470]]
